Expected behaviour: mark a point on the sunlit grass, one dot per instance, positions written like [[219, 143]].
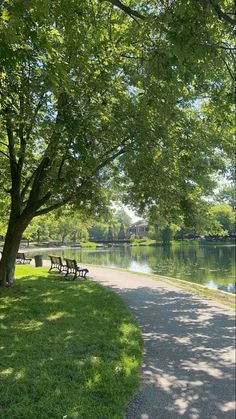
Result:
[[67, 349]]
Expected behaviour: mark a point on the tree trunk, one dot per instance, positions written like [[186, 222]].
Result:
[[11, 246]]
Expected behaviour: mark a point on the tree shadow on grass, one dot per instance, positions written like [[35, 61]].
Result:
[[188, 369], [68, 349]]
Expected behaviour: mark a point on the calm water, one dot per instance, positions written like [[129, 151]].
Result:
[[210, 265]]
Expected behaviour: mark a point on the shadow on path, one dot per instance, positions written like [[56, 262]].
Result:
[[188, 369]]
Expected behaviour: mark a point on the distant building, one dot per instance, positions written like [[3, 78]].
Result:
[[139, 228]]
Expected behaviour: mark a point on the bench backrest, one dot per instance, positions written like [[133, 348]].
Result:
[[20, 255], [71, 263], [55, 259]]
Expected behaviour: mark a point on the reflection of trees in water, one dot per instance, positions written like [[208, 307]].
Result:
[[200, 264], [114, 256], [195, 263]]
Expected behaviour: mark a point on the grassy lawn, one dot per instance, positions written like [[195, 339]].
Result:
[[68, 349]]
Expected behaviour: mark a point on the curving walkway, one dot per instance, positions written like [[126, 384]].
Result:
[[188, 366]]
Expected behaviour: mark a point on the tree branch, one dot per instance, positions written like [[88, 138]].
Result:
[[5, 144], [131, 12], [83, 182], [21, 136], [61, 167], [27, 184], [228, 68], [40, 173], [11, 145], [64, 157], [51, 207], [5, 154], [108, 160], [38, 179], [222, 15], [36, 111]]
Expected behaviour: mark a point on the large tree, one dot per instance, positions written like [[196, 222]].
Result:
[[84, 83]]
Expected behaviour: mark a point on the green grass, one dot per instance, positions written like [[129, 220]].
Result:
[[219, 296], [69, 349], [143, 242], [88, 244]]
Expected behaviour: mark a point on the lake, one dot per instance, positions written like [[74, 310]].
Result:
[[210, 265]]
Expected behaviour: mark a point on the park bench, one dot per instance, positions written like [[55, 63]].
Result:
[[56, 263], [21, 258], [73, 268]]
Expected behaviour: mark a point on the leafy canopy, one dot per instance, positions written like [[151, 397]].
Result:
[[95, 95]]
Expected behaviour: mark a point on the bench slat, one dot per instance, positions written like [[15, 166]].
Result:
[[21, 258], [56, 263], [73, 268]]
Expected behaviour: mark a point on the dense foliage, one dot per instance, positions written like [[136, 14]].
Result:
[[100, 98]]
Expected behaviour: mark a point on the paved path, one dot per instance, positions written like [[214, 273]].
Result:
[[187, 369]]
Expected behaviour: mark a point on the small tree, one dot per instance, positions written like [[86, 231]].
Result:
[[223, 216], [123, 218], [121, 234], [110, 234]]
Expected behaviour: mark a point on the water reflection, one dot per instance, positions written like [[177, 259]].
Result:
[[213, 266]]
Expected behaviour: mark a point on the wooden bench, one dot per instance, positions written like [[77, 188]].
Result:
[[56, 263], [21, 258], [73, 268]]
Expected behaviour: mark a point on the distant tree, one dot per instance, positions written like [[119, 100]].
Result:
[[98, 231], [224, 216], [160, 228], [110, 234], [123, 217], [166, 235], [121, 234], [227, 194], [38, 229], [218, 219]]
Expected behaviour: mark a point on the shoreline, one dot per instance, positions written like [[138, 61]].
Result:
[[220, 296], [223, 297]]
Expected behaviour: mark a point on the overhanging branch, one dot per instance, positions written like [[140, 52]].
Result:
[[108, 160], [228, 68], [51, 207], [5, 144], [4, 154], [83, 183], [219, 12], [126, 9]]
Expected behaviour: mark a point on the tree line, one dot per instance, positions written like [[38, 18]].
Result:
[[217, 220]]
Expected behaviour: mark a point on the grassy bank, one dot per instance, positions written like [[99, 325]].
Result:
[[219, 296], [200, 242], [68, 349]]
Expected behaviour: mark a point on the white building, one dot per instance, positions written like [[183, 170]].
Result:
[[139, 228]]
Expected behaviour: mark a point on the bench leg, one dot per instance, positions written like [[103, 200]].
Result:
[[75, 274]]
